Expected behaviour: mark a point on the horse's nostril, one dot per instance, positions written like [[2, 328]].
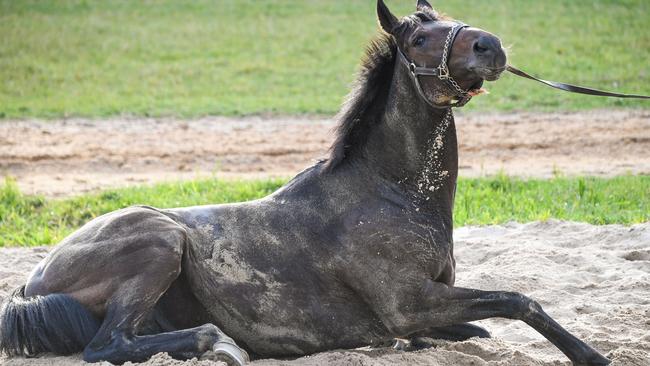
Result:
[[486, 44], [479, 49]]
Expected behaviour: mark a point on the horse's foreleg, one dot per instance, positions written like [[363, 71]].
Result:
[[444, 305], [456, 332]]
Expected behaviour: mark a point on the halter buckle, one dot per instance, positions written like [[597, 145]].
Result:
[[443, 72], [412, 68]]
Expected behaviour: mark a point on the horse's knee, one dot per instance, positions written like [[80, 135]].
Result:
[[522, 306]]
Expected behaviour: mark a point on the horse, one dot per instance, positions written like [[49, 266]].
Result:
[[356, 250]]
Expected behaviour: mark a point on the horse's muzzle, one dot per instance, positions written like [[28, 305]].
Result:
[[489, 74]]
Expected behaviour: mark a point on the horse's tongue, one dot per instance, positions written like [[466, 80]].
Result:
[[479, 91]]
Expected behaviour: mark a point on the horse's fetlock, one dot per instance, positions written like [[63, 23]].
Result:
[[207, 335]]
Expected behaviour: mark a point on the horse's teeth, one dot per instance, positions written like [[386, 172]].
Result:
[[476, 92]]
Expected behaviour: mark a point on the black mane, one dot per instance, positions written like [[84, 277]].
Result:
[[366, 101]]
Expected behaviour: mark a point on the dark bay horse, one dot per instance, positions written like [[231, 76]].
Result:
[[355, 250]]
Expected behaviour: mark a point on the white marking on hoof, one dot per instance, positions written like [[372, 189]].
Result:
[[401, 344], [227, 351]]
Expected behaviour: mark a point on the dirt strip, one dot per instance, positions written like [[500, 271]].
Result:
[[66, 157]]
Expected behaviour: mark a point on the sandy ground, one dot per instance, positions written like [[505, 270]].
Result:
[[66, 157], [594, 280]]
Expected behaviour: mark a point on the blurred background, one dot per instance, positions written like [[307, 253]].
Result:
[[239, 57]]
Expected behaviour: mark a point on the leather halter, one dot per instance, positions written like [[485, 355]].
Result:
[[441, 72]]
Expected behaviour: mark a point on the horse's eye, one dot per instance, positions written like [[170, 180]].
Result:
[[419, 41]]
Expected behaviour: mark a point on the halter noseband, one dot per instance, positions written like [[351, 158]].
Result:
[[442, 71]]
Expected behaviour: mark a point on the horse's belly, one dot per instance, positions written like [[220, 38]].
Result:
[[272, 317], [268, 285]]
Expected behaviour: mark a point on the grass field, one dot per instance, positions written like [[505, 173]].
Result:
[[233, 57], [31, 220]]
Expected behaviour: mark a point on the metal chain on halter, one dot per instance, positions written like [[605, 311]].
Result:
[[443, 68], [441, 71]]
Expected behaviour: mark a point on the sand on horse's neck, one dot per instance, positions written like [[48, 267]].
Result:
[[414, 144]]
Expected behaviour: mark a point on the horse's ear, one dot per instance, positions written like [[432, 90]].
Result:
[[423, 5], [386, 19]]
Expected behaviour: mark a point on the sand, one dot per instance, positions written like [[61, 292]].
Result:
[[594, 280], [67, 157]]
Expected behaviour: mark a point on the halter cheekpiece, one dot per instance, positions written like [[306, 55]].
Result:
[[441, 72]]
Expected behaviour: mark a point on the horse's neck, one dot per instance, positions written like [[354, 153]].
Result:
[[414, 145]]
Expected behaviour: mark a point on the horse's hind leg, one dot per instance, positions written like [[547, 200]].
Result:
[[147, 262], [206, 341], [154, 269]]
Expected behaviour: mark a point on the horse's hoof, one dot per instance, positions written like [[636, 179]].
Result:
[[401, 344], [594, 360], [227, 351], [420, 343]]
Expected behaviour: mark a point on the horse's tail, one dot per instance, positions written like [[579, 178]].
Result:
[[54, 323]]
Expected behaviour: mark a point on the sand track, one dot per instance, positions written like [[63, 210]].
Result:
[[66, 157], [594, 280]]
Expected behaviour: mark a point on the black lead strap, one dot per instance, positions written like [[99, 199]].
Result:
[[574, 88]]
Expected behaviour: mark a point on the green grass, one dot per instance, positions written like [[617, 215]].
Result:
[[31, 220], [233, 57]]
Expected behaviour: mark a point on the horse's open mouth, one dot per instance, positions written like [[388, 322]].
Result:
[[477, 85], [489, 74], [476, 88]]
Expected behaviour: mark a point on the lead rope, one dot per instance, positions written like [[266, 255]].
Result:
[[574, 88]]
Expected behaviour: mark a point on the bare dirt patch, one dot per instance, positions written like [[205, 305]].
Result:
[[581, 274], [66, 157]]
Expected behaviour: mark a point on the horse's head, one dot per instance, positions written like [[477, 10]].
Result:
[[473, 55]]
